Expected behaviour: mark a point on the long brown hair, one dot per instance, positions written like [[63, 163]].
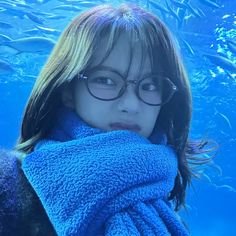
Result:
[[72, 54]]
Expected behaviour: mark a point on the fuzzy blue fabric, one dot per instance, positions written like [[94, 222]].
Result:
[[93, 182]]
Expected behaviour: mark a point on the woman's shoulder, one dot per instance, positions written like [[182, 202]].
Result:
[[20, 208], [8, 192], [9, 166]]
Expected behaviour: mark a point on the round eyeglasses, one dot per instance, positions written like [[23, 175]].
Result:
[[106, 84]]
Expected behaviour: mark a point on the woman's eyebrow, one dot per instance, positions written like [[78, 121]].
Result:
[[112, 69], [107, 68]]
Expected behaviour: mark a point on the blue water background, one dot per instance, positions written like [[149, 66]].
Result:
[[211, 201]]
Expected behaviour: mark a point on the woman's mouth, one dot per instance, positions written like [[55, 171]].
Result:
[[123, 126]]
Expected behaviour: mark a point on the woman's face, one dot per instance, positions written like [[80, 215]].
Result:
[[128, 108]]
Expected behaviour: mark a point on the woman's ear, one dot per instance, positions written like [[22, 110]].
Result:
[[67, 97]]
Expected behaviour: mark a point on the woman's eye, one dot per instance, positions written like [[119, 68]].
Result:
[[103, 80], [149, 86]]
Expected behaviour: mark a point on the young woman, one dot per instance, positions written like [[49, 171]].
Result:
[[104, 146]]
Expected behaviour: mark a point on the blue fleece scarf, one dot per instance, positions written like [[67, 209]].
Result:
[[93, 182]]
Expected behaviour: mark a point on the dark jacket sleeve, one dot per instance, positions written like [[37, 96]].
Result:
[[21, 212]]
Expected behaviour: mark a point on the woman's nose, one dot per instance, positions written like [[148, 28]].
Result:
[[129, 101]]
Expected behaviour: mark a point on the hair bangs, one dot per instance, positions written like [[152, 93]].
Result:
[[130, 21]]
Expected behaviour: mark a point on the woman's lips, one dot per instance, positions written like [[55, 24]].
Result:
[[119, 126]]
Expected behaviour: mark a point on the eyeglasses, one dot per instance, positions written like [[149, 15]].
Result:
[[106, 84]]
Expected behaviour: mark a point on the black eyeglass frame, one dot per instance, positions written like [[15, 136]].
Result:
[[174, 88]]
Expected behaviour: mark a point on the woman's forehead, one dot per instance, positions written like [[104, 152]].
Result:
[[129, 57]]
